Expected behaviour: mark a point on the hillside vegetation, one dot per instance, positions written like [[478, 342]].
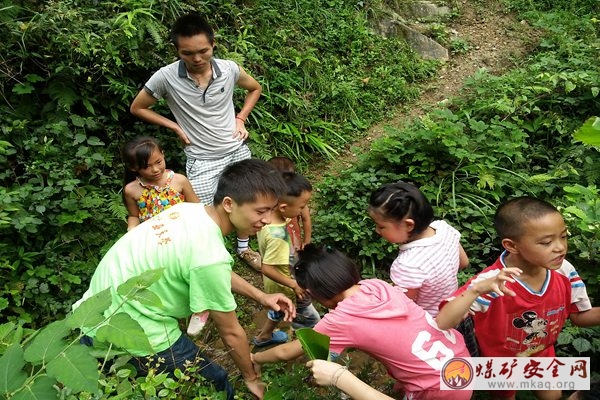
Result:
[[69, 71]]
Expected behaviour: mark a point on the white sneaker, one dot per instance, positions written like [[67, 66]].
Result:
[[197, 322]]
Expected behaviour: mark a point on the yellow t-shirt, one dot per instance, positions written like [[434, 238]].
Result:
[[275, 247]]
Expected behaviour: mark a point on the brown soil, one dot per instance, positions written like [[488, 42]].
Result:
[[497, 42]]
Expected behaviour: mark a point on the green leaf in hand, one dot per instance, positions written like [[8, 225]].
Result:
[[314, 344]]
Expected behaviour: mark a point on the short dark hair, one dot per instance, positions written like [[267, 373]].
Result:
[[513, 214], [283, 164], [244, 180], [296, 184], [325, 272], [396, 201], [191, 25]]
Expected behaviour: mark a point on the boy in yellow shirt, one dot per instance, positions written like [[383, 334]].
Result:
[[279, 254]]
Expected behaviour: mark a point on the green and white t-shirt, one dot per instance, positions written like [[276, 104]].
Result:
[[189, 245]]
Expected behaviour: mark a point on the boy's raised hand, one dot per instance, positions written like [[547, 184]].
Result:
[[456, 309], [497, 283]]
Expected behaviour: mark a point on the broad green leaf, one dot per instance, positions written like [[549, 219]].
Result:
[[79, 138], [90, 312], [126, 333], [124, 389], [569, 86], [12, 375], [576, 211], [274, 394], [564, 338], [23, 88], [589, 133], [42, 388], [582, 345], [77, 121], [88, 106], [34, 78], [48, 343], [6, 330], [76, 369], [94, 141], [147, 297], [142, 281], [7, 334], [103, 350], [315, 344]]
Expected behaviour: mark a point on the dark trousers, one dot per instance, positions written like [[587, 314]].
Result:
[[467, 329], [176, 356]]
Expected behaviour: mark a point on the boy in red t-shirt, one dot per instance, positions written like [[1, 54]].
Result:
[[543, 289]]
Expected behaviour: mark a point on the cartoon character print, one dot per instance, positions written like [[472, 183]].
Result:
[[532, 325]]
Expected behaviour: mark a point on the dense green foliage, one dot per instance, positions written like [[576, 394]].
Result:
[[35, 366], [69, 73]]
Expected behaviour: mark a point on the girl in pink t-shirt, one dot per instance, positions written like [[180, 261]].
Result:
[[377, 318]]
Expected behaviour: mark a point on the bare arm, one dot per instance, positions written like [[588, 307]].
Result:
[[234, 337], [271, 272], [245, 81], [283, 352], [186, 189], [306, 226], [456, 309], [463, 259], [586, 318], [141, 108], [133, 211], [412, 294], [275, 301], [328, 373]]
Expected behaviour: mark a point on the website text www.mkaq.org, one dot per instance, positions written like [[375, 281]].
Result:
[[531, 385]]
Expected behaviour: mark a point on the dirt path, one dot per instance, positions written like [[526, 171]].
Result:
[[497, 41]]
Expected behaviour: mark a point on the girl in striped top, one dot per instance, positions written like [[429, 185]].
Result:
[[430, 252]]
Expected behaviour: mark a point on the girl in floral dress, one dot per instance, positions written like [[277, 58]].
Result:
[[149, 188]]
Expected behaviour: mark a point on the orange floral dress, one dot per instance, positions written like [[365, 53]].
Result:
[[155, 199]]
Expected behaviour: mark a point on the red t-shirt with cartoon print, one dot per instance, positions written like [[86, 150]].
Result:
[[527, 324]]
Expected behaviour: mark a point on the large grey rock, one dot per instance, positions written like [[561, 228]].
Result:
[[428, 48], [427, 10]]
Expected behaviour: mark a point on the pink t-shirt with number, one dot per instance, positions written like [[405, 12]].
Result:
[[380, 320]]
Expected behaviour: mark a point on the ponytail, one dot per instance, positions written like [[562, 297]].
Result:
[[400, 200]]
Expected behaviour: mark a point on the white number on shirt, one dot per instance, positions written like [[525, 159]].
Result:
[[431, 356]]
